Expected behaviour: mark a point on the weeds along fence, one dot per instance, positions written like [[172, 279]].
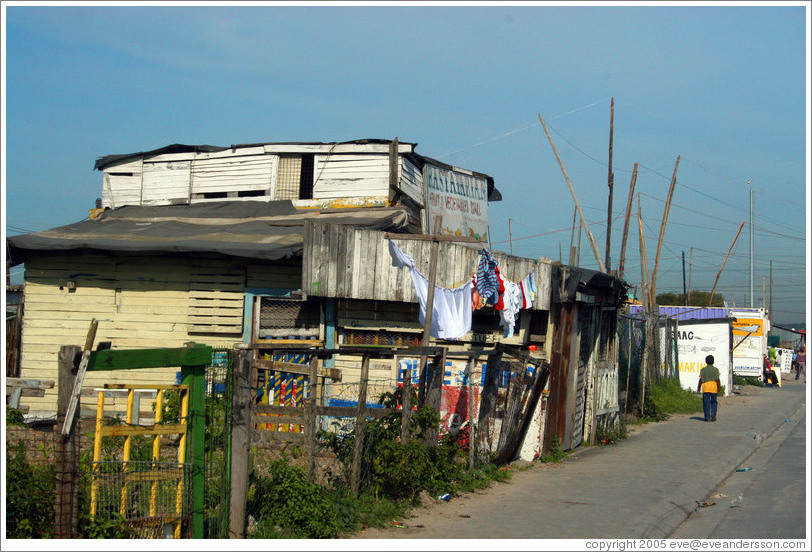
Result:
[[350, 439], [647, 355], [125, 475]]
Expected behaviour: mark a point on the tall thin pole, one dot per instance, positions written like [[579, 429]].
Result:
[[690, 269], [710, 299], [771, 290], [764, 293], [684, 289], [589, 235], [751, 244], [572, 237], [622, 267], [662, 230], [644, 258], [611, 183], [510, 232]]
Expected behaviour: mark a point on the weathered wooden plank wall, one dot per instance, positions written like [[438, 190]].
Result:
[[344, 262]]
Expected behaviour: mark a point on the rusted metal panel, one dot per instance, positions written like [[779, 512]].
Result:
[[556, 424]]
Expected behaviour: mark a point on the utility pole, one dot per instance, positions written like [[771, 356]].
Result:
[[622, 267], [690, 269], [764, 293], [510, 232], [684, 290], [771, 291], [611, 182], [751, 244], [589, 235]]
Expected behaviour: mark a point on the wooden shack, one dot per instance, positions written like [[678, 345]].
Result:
[[266, 244]]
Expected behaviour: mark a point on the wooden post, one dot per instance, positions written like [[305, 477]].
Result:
[[572, 237], [622, 266], [406, 405], [195, 378], [432, 277], [575, 198], [611, 182], [710, 299], [311, 420], [360, 424], [662, 230], [80, 376], [434, 394], [764, 292], [649, 300], [67, 450], [469, 374], [487, 403], [240, 441], [771, 291], [690, 269]]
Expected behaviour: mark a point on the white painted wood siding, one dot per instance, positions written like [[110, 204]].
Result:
[[166, 182], [346, 176], [121, 185], [411, 181], [235, 174]]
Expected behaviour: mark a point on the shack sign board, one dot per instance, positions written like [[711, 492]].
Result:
[[749, 346], [461, 198], [695, 341]]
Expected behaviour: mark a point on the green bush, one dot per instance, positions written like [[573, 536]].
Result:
[[555, 454], [397, 470], [747, 380], [29, 495], [286, 505], [669, 397]]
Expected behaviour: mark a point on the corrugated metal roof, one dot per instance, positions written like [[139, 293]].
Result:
[[687, 313]]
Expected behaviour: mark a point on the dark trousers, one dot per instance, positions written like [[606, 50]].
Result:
[[709, 405]]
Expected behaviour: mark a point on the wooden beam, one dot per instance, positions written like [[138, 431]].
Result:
[[662, 231], [240, 442], [301, 369], [622, 266], [72, 407], [575, 198], [111, 359], [67, 454], [432, 238], [710, 299], [611, 182]]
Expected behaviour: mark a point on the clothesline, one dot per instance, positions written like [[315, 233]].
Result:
[[453, 307]]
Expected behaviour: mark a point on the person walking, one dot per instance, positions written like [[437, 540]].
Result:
[[709, 385], [801, 363]]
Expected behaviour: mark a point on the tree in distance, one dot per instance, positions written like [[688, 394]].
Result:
[[694, 299]]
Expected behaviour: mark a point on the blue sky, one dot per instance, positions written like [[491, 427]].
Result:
[[725, 87]]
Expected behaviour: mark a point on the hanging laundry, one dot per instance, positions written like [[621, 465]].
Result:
[[528, 285], [451, 315], [512, 299], [487, 280]]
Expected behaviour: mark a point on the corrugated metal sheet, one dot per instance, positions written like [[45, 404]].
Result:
[[687, 313]]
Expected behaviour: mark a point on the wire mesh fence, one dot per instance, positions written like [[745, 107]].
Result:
[[647, 355], [153, 497], [146, 497]]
